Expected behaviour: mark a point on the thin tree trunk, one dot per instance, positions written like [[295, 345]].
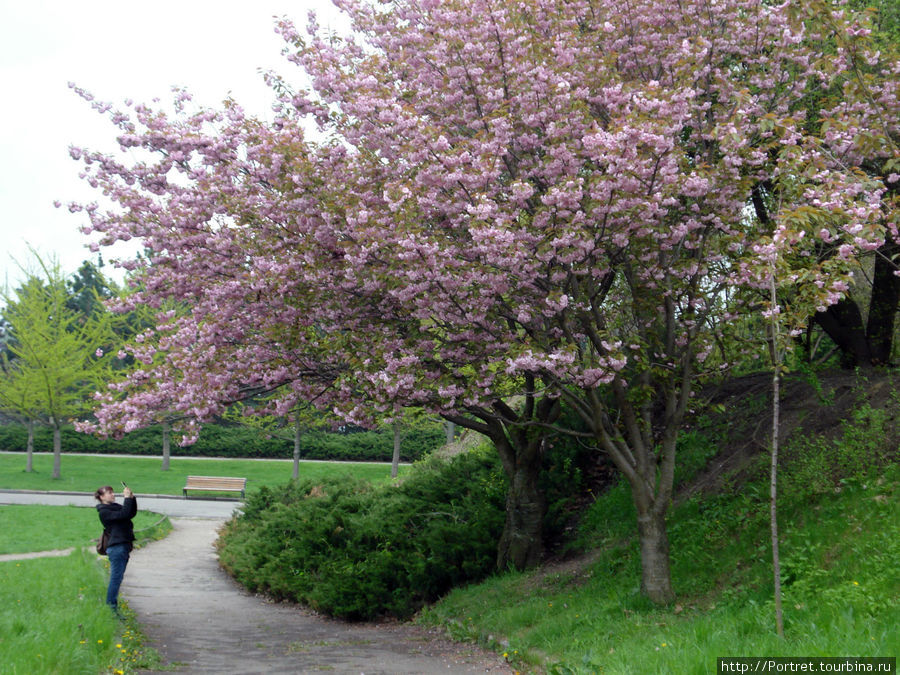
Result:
[[29, 448], [773, 510], [773, 483], [166, 446], [57, 450], [298, 433], [395, 460], [450, 429]]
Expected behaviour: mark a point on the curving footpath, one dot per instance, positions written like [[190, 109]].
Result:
[[203, 622]]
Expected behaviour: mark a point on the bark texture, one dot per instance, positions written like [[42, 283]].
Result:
[[656, 579]]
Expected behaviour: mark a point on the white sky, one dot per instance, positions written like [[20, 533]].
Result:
[[115, 50]]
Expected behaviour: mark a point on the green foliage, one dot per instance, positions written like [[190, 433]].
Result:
[[58, 356], [235, 441], [814, 465], [357, 551]]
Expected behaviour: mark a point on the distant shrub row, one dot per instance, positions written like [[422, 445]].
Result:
[[233, 441], [355, 551]]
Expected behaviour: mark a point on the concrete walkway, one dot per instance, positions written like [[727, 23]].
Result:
[[203, 622]]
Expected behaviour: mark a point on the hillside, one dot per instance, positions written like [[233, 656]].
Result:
[[840, 539]]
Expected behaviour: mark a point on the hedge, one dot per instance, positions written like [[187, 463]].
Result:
[[217, 440]]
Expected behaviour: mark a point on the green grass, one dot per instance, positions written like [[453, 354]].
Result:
[[24, 529], [53, 619], [841, 596], [53, 616], [82, 473]]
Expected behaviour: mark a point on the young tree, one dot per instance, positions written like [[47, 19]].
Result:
[[19, 398], [59, 355]]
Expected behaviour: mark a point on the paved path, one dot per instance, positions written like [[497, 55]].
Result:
[[58, 553]]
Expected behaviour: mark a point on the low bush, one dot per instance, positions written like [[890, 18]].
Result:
[[357, 551], [218, 440]]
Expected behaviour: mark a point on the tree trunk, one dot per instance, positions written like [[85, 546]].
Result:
[[166, 446], [656, 576], [883, 304], [29, 448], [450, 429], [57, 450], [522, 544], [773, 504], [842, 322], [520, 447], [775, 354], [298, 433], [395, 460]]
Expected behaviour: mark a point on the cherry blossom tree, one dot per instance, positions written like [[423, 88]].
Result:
[[515, 206], [570, 190]]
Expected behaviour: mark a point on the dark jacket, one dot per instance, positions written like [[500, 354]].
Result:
[[117, 519]]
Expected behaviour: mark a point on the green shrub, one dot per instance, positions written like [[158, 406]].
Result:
[[355, 551]]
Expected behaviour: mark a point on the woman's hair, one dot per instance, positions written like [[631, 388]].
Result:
[[100, 491]]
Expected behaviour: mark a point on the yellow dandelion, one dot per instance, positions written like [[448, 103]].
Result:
[[856, 583]]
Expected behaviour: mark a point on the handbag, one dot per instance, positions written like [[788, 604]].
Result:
[[102, 544]]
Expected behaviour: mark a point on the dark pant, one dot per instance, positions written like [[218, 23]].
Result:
[[118, 560]]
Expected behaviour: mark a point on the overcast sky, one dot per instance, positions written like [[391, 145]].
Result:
[[115, 50]]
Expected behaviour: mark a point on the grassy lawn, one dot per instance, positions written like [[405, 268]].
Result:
[[53, 616], [81, 473], [24, 529]]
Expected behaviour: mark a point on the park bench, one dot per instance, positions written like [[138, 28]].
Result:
[[214, 484]]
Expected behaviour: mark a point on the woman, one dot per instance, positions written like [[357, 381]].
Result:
[[116, 519]]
